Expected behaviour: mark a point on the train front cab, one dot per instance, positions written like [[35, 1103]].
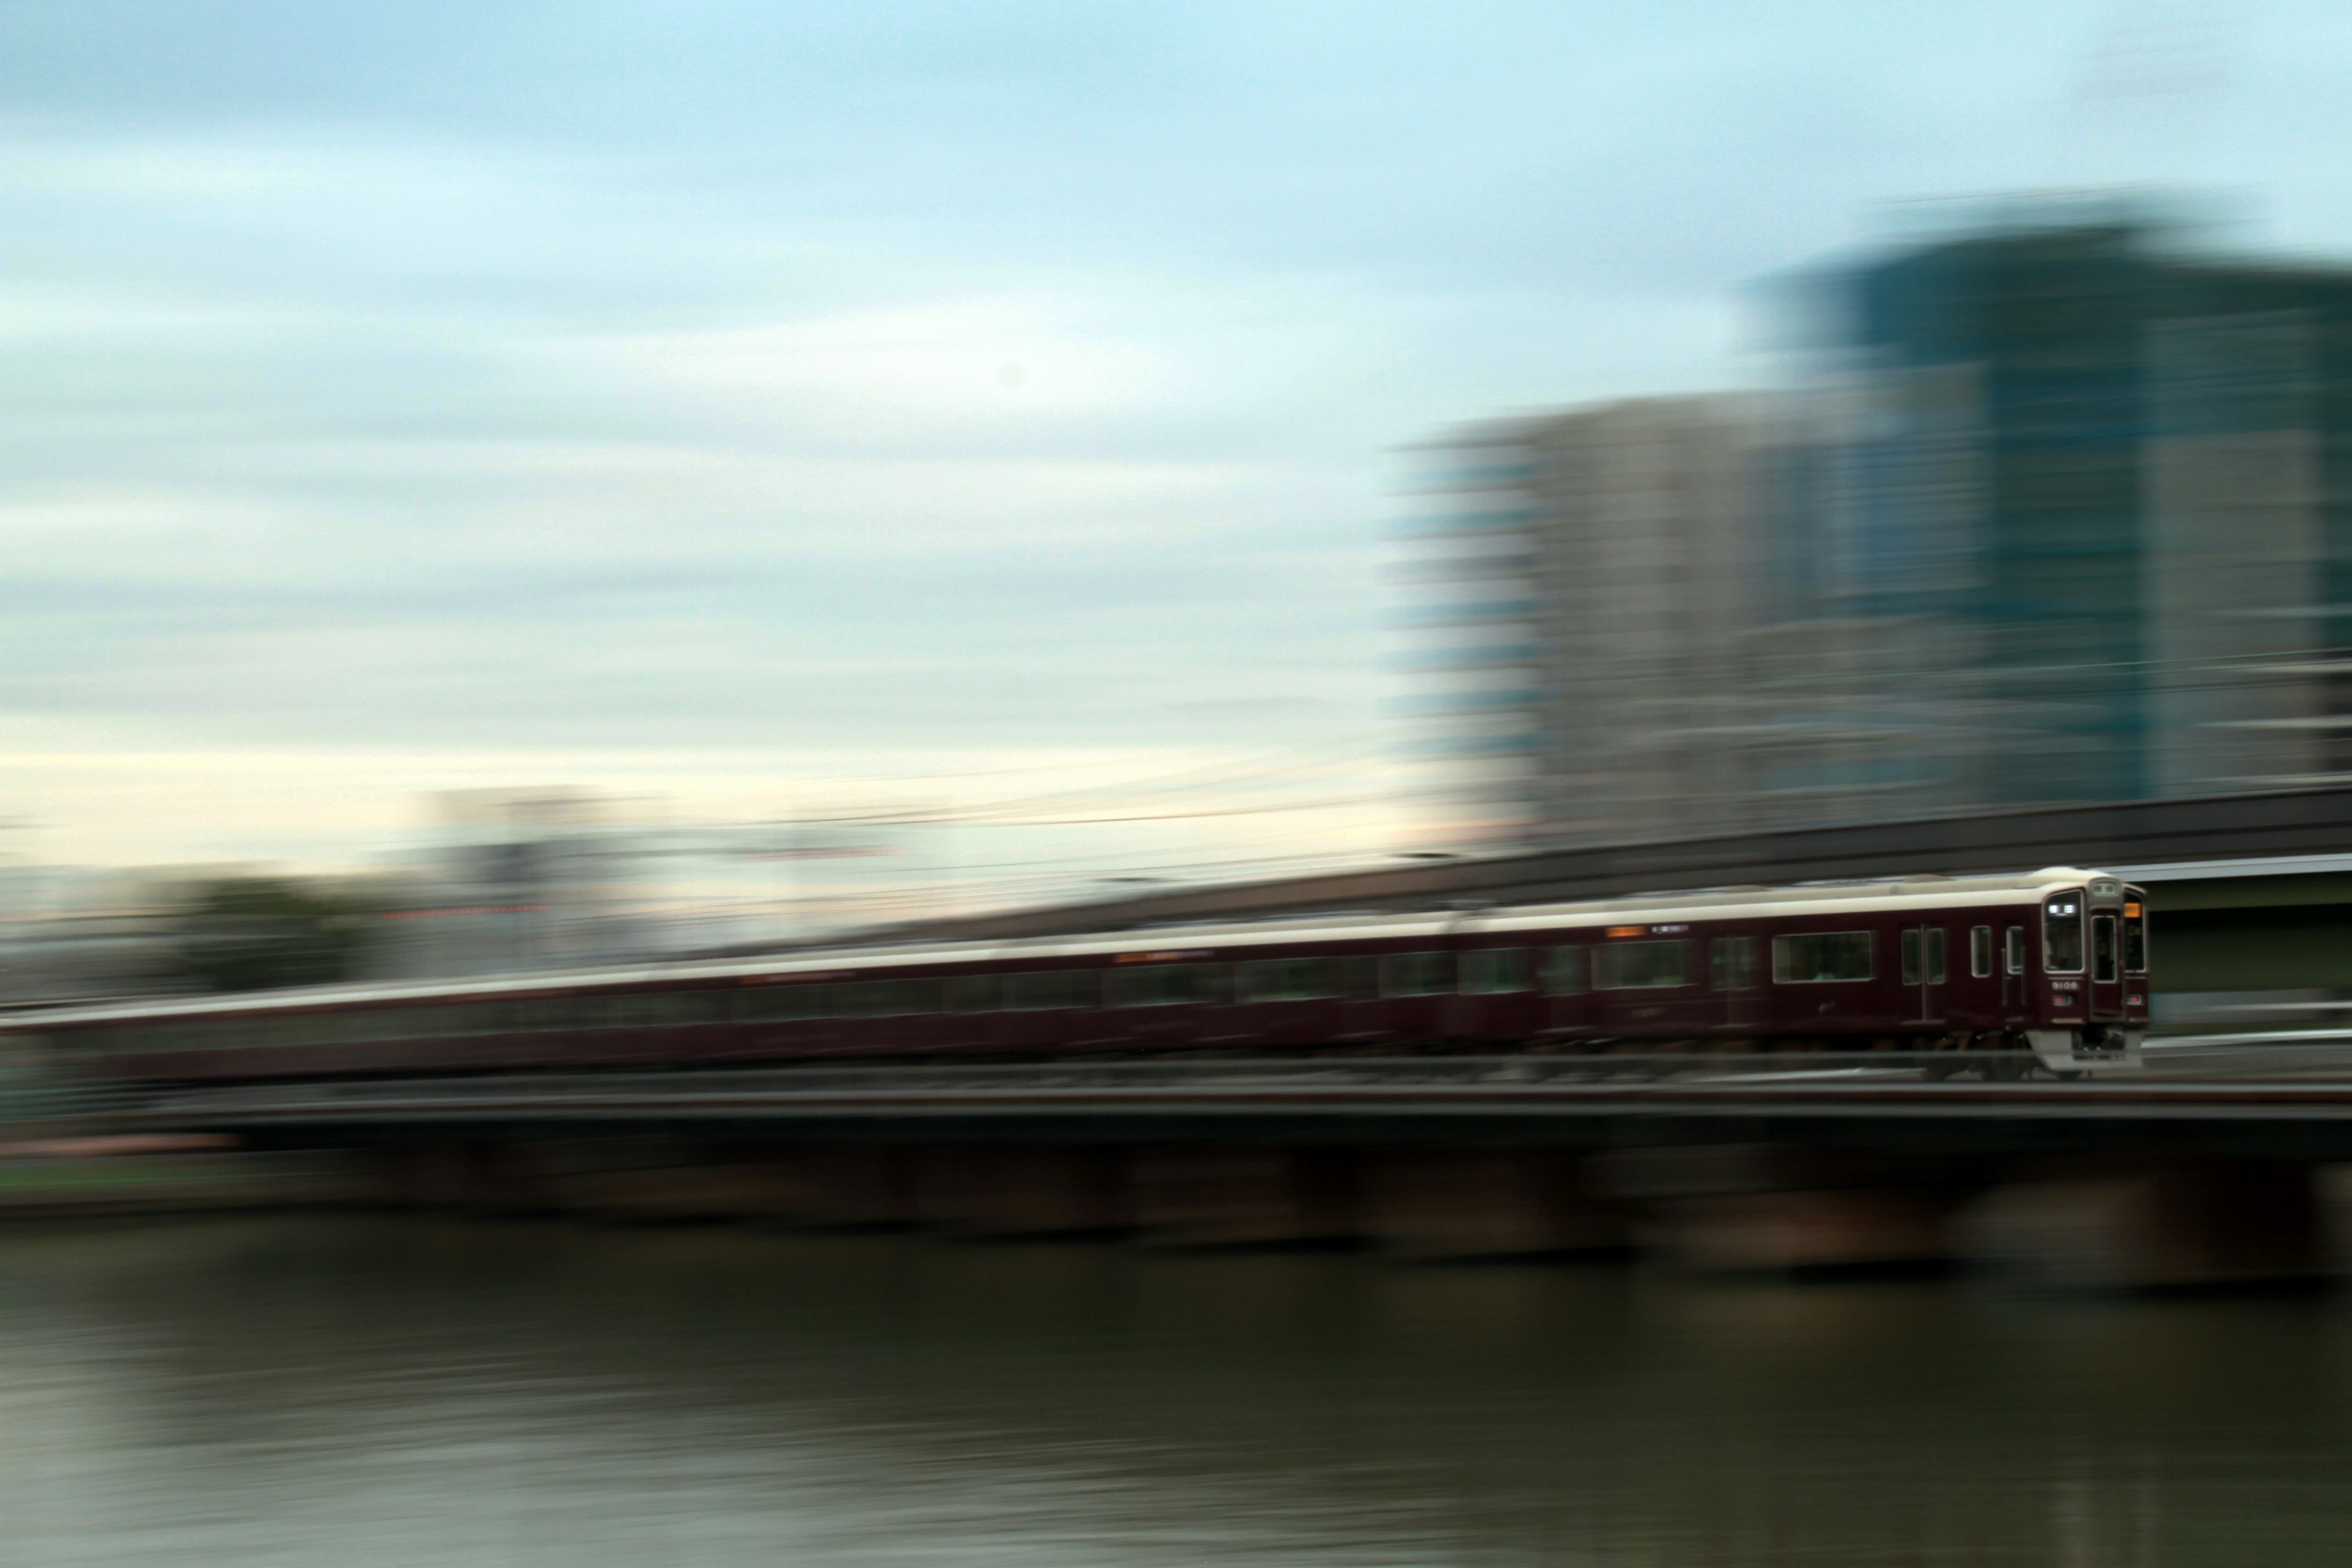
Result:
[[2092, 1010]]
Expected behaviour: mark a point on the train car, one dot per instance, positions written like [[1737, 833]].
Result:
[[2054, 961]]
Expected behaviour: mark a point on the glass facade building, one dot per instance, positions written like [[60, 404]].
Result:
[[2065, 515], [2103, 475]]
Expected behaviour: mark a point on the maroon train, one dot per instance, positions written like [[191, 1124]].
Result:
[[2054, 961]]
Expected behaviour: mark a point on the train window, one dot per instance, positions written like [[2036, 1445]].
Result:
[[1287, 980], [889, 998], [1042, 990], [1166, 985], [1732, 963], [865, 999], [859, 1000], [2135, 933], [1416, 974], [1565, 971], [668, 1009], [2062, 933], [1487, 971], [2103, 948], [1980, 951], [784, 1004], [636, 1010], [2012, 956], [1818, 958], [975, 994], [704, 1006], [481, 1018], [1634, 966], [1359, 979]]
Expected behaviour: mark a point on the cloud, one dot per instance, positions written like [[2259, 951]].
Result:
[[623, 380]]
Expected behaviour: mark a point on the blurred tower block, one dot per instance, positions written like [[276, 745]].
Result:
[[1585, 583], [2062, 515], [2101, 474]]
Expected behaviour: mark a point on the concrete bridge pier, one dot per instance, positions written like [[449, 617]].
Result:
[[2176, 1225], [1436, 1204], [1755, 1209], [844, 1186], [1210, 1195], [473, 1176], [690, 1186], [1009, 1191]]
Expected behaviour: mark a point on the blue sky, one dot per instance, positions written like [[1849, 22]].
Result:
[[732, 403]]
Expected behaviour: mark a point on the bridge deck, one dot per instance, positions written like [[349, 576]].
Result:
[[2287, 1099]]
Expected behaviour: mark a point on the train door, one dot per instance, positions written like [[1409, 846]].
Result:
[[1732, 974], [1977, 1003], [2012, 973], [1926, 972], [1499, 1000], [1363, 1017], [2106, 978], [1566, 976]]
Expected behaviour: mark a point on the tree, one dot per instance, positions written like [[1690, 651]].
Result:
[[256, 933]]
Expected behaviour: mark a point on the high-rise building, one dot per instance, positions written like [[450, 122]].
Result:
[[1589, 578], [2065, 517], [2106, 479]]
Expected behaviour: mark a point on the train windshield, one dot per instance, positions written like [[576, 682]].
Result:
[[2062, 932], [2135, 931]]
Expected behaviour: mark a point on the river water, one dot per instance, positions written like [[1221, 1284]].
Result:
[[389, 1390]]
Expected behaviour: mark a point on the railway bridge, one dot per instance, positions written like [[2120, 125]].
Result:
[[2215, 1167]]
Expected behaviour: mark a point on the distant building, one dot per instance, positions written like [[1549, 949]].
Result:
[[2106, 478], [2067, 517], [1586, 582]]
